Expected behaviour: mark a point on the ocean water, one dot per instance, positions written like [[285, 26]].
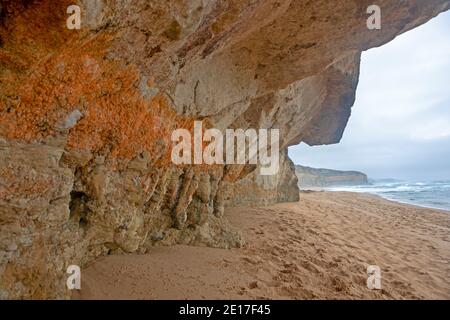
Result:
[[434, 194]]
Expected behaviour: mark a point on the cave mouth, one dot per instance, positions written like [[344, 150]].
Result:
[[400, 122], [397, 140]]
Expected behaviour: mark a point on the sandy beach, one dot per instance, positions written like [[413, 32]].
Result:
[[318, 248]]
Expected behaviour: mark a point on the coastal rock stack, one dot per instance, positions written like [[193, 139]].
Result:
[[86, 117]]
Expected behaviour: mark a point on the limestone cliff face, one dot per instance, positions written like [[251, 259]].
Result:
[[320, 178], [86, 117]]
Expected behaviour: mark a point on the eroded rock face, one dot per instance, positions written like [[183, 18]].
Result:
[[86, 117]]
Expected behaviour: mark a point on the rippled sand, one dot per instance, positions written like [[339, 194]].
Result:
[[318, 248]]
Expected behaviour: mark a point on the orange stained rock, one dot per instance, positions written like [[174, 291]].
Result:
[[48, 72]]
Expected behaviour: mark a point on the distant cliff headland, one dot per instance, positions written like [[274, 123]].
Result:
[[320, 178]]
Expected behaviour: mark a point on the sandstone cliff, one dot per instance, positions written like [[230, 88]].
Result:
[[86, 117], [321, 178]]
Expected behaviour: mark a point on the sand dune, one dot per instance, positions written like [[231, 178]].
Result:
[[316, 249]]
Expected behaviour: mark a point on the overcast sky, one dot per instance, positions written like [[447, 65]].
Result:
[[400, 123]]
